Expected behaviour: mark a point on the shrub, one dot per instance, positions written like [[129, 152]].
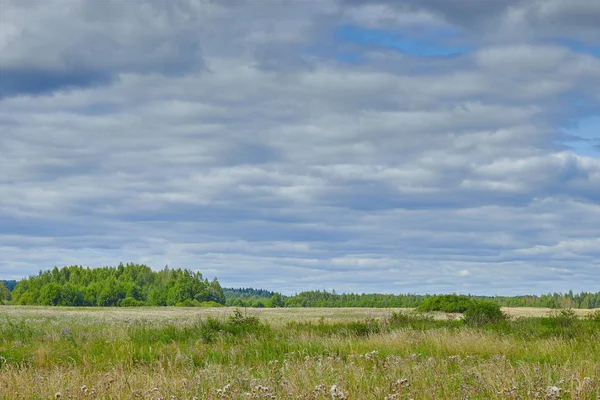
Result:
[[400, 319], [237, 319], [131, 302], [594, 316], [211, 304], [236, 324], [345, 328], [564, 318], [210, 329], [483, 312], [188, 303], [449, 303]]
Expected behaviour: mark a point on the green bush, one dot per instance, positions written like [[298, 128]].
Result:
[[236, 324], [237, 319], [564, 318], [400, 319], [188, 303], [483, 312], [211, 304], [346, 328], [131, 302], [450, 303]]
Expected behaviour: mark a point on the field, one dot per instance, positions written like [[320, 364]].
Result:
[[224, 353]]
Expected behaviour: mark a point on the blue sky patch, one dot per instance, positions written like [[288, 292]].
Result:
[[431, 45], [349, 58], [580, 47], [588, 132]]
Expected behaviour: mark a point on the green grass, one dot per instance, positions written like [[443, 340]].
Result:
[[388, 356]]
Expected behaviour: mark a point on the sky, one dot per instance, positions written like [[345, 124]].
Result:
[[417, 146]]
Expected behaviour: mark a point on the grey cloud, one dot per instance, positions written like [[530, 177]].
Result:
[[274, 167], [468, 12], [504, 20], [100, 41], [14, 81], [577, 15]]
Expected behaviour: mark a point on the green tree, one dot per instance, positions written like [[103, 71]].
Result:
[[276, 301], [72, 295], [51, 294], [216, 292], [5, 294], [483, 312]]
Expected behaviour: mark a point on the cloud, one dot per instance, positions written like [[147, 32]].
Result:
[[259, 145], [47, 46]]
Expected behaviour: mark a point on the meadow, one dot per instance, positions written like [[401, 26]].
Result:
[[295, 353]]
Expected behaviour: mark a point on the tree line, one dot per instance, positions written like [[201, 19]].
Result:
[[124, 285], [138, 285], [318, 298], [10, 285]]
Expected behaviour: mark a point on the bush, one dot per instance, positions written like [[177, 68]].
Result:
[[211, 304], [131, 302], [564, 318], [483, 312], [237, 324], [188, 303], [400, 319], [594, 316], [237, 319], [449, 303], [346, 328]]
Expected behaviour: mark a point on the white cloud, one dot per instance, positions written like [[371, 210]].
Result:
[[268, 165]]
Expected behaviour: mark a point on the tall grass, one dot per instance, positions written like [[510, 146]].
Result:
[[400, 356]]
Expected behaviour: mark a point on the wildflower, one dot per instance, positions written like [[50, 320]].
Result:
[[320, 388], [336, 393], [57, 395], [371, 354], [553, 392]]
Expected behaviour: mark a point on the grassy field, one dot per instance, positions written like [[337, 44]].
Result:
[[176, 353]]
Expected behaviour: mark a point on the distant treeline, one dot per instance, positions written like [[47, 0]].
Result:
[[240, 297], [10, 285], [248, 297], [125, 285], [138, 285]]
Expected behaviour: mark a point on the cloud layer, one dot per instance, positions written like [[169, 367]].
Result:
[[431, 146]]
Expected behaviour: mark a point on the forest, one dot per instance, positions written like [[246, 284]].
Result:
[[124, 285], [139, 285], [319, 298]]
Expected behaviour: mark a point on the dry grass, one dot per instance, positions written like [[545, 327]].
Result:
[[272, 315], [148, 353], [530, 312]]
